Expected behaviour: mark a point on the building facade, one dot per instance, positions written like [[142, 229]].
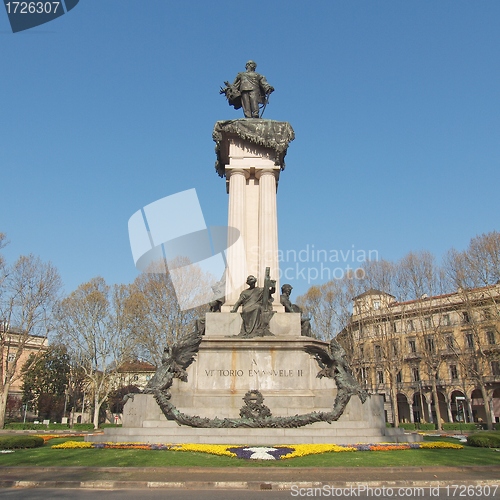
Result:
[[17, 348], [136, 373], [433, 359]]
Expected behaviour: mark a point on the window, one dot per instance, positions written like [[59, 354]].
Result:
[[395, 348], [399, 377], [446, 320], [136, 378], [469, 339], [11, 357], [378, 352], [376, 304], [364, 374], [395, 327], [409, 325], [428, 322], [465, 317], [380, 377], [429, 344], [415, 374], [450, 342], [361, 351], [490, 335], [376, 329], [413, 346], [495, 368], [487, 314], [453, 372]]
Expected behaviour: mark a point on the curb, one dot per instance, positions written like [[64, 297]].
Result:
[[239, 485]]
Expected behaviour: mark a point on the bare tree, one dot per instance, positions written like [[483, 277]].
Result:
[[475, 272], [380, 323], [153, 309], [28, 291], [421, 279], [92, 323], [330, 305]]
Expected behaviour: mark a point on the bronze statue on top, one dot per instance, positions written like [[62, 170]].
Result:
[[249, 90]]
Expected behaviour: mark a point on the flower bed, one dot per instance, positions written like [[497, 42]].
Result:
[[261, 452], [48, 437]]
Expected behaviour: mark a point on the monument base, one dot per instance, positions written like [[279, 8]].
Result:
[[279, 369], [361, 423]]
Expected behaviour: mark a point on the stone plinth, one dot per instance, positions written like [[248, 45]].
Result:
[[227, 368], [229, 324]]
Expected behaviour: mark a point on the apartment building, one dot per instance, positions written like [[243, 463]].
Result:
[[435, 358]]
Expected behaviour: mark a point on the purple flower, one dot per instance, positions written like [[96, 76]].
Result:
[[260, 453]]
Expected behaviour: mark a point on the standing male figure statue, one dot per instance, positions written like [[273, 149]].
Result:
[[248, 90]]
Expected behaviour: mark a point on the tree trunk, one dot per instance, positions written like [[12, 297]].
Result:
[[97, 407], [436, 405], [394, 399], [487, 407], [3, 404]]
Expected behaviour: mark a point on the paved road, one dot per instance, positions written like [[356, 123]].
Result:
[[246, 482], [478, 492]]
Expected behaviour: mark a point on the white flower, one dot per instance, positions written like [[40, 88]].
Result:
[[261, 453]]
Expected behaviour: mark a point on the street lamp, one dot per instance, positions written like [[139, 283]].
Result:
[[25, 410], [420, 385], [459, 416]]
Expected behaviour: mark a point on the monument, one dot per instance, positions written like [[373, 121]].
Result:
[[253, 374]]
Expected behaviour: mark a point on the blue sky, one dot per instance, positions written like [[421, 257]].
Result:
[[395, 106]]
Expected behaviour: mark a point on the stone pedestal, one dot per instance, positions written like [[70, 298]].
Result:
[[225, 325], [225, 369]]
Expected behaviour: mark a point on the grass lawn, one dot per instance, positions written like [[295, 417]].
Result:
[[48, 457]]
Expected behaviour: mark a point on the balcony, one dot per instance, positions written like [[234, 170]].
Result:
[[447, 352], [413, 355]]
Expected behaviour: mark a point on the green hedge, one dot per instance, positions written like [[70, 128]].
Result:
[[14, 442], [484, 440], [427, 427], [83, 427], [408, 427], [28, 426], [103, 426], [60, 427], [455, 426], [20, 426]]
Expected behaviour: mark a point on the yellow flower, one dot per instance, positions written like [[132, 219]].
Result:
[[213, 449], [301, 450], [442, 445], [69, 445]]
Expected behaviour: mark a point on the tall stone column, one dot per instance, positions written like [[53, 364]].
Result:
[[250, 155], [236, 271], [268, 227]]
